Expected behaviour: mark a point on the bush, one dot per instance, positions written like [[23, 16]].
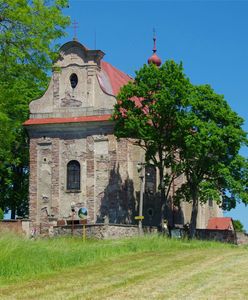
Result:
[[238, 226]]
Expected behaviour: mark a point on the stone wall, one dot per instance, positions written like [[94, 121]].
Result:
[[226, 236], [101, 231], [15, 226], [241, 238]]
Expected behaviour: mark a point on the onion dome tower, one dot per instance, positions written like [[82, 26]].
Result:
[[154, 58]]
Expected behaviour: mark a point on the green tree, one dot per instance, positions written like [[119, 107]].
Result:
[[1, 214], [185, 129], [148, 110], [208, 148], [28, 31], [238, 226]]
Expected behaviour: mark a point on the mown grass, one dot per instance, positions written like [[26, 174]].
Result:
[[151, 267], [23, 258]]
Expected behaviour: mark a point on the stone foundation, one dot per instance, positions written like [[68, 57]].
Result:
[[241, 238], [101, 231], [112, 231], [226, 236]]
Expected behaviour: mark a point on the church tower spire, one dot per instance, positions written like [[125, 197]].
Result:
[[154, 58]]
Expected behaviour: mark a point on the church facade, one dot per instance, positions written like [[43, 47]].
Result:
[[75, 159]]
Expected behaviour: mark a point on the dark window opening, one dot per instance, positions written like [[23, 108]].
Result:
[[150, 180], [73, 175], [150, 212], [73, 80]]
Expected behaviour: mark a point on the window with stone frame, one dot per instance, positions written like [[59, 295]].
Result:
[[150, 179], [73, 175]]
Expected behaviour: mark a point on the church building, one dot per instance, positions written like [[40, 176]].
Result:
[[75, 159]]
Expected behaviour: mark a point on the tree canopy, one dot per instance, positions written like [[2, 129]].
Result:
[[238, 226], [28, 32], [185, 129], [148, 110], [210, 138]]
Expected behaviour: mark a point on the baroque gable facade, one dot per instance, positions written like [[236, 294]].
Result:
[[75, 159]]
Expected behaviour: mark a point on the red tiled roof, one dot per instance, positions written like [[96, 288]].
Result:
[[220, 224], [67, 120], [112, 79]]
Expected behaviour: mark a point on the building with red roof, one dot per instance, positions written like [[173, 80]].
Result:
[[75, 159], [219, 223]]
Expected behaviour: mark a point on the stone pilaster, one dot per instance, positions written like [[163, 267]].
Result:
[[90, 179], [55, 177], [33, 213]]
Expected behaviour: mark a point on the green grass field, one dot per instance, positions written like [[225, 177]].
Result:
[[139, 268]]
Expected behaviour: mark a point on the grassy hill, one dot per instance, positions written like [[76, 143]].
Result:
[[140, 268]]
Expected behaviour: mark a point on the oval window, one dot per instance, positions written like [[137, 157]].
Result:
[[150, 212], [73, 80]]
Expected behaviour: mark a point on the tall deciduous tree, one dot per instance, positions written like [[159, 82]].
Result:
[[210, 138], [148, 110], [190, 130], [28, 31]]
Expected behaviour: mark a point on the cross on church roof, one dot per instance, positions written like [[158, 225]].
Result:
[[154, 41], [75, 27]]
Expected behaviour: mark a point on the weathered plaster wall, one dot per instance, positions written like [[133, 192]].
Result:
[[109, 176], [87, 98]]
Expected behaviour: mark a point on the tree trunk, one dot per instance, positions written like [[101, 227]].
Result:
[[162, 196], [162, 205], [194, 213], [13, 213]]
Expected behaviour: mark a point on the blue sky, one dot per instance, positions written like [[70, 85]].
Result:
[[209, 37]]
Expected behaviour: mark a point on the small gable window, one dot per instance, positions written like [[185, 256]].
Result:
[[73, 175], [73, 80]]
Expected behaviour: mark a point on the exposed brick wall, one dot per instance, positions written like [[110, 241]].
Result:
[[90, 178], [33, 181], [55, 177]]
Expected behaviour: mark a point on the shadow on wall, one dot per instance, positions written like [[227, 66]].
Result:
[[118, 204], [152, 211], [175, 213]]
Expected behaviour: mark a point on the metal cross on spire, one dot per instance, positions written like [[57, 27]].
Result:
[[75, 27], [154, 41]]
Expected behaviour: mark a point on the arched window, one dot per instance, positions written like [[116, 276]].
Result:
[[73, 175]]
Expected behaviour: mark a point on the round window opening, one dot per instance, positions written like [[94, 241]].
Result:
[[150, 212], [73, 80]]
